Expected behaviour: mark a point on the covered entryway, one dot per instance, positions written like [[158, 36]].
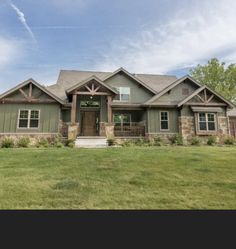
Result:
[[91, 111], [89, 123]]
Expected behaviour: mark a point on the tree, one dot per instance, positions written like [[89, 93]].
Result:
[[218, 77]]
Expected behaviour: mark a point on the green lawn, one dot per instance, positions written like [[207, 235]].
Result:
[[118, 178]]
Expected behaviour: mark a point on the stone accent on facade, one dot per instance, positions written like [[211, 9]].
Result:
[[73, 131], [186, 128], [34, 138], [109, 130], [166, 137], [102, 131]]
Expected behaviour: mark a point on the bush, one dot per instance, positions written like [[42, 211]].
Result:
[[70, 143], [7, 143], [110, 141], [229, 141], [158, 141], [42, 142], [195, 141], [23, 142], [176, 140], [58, 145], [142, 142], [127, 143], [211, 140]]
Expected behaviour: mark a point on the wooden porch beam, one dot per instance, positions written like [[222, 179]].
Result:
[[92, 93], [23, 93], [212, 96], [30, 91], [200, 98], [8, 100], [73, 109], [109, 109]]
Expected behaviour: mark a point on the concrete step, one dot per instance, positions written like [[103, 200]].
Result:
[[91, 142]]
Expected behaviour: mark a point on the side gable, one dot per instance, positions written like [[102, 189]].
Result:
[[29, 91], [122, 70], [186, 79], [138, 93], [204, 96]]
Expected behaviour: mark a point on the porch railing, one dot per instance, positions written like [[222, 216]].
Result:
[[133, 129]]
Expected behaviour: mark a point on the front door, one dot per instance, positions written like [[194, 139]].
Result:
[[89, 123]]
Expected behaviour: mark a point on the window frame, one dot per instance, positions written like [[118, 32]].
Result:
[[122, 123], [28, 119], [207, 122], [118, 88], [168, 121]]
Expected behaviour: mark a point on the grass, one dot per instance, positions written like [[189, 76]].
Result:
[[118, 178]]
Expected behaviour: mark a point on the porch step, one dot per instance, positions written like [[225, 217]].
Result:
[[91, 142]]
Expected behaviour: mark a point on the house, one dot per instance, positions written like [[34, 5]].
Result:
[[120, 104]]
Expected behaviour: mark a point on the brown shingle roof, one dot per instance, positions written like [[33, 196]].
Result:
[[69, 78]]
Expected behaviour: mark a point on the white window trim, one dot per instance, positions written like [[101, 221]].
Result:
[[28, 125], [168, 120], [206, 116], [120, 100]]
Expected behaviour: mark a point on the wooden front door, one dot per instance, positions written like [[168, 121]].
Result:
[[89, 123]]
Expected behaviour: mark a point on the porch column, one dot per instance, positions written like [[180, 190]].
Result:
[[73, 109], [109, 109]]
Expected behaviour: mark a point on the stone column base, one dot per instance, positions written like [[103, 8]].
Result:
[[109, 128], [73, 131]]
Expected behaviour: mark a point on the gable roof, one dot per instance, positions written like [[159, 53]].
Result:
[[93, 77], [121, 69], [42, 88], [210, 90], [69, 78], [171, 86]]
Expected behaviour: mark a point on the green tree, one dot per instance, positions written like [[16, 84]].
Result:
[[218, 77]]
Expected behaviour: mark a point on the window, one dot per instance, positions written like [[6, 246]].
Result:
[[122, 120], [185, 91], [164, 118], [207, 121], [28, 119], [89, 103], [124, 93]]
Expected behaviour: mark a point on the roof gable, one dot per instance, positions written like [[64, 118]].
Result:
[[171, 86], [205, 98], [131, 76], [28, 96], [86, 81]]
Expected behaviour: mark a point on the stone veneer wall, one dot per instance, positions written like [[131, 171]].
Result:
[[34, 138], [186, 127]]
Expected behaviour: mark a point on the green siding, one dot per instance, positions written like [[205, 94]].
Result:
[[154, 121], [176, 93], [49, 118], [138, 94]]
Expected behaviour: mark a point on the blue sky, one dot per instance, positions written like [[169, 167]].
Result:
[[38, 38]]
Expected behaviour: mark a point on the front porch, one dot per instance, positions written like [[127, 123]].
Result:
[[92, 113]]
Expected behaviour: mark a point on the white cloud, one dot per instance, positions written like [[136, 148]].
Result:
[[22, 19], [9, 51], [190, 37]]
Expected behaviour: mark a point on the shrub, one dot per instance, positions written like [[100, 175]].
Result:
[[42, 142], [23, 142], [176, 139], [142, 142], [70, 143], [7, 143], [110, 141], [195, 141], [58, 145], [211, 140], [158, 141], [229, 141], [127, 143]]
